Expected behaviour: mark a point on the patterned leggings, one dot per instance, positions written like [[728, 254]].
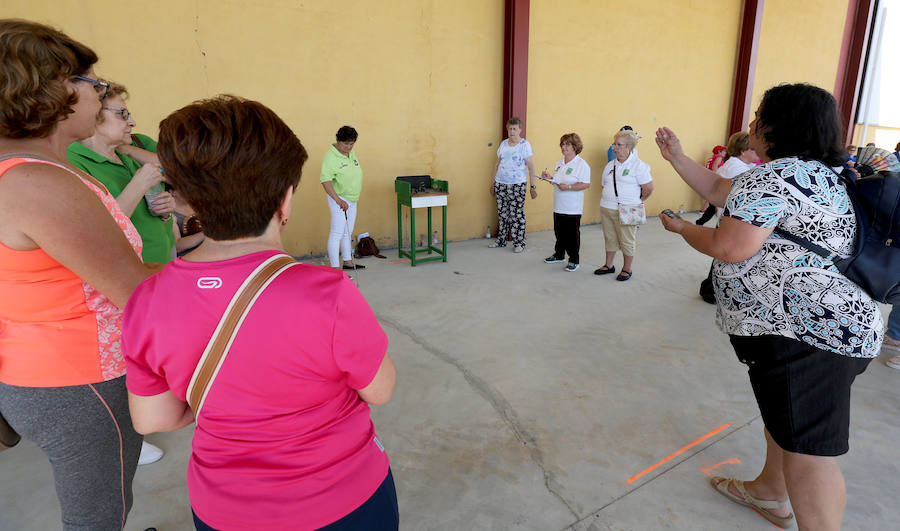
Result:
[[511, 212]]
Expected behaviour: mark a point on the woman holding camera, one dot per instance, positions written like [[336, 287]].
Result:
[[804, 330]]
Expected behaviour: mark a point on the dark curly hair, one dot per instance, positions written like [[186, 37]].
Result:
[[34, 62], [233, 160], [801, 120], [346, 134]]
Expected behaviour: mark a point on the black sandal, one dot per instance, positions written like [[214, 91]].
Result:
[[354, 266], [605, 270], [623, 276]]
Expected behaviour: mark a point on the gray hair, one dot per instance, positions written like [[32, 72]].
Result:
[[631, 136]]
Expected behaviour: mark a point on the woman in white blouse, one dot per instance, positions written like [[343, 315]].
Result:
[[626, 181]]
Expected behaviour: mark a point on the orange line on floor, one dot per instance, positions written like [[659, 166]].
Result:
[[398, 261], [673, 455], [732, 461]]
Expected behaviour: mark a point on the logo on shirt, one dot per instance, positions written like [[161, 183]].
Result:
[[380, 446], [624, 173], [569, 171], [209, 282], [356, 163]]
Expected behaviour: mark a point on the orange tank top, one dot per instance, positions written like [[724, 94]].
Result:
[[55, 329]]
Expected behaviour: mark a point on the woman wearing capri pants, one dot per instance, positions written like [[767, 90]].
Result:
[[803, 329], [514, 167], [284, 439], [626, 180], [571, 177], [69, 259], [342, 180]]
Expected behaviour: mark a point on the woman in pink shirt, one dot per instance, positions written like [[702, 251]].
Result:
[[284, 439]]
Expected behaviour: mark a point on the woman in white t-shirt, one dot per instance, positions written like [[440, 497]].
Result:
[[626, 180], [741, 158], [514, 157], [571, 177]]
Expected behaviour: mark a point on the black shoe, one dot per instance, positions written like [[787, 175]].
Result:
[[552, 259], [623, 276], [605, 270], [354, 266]]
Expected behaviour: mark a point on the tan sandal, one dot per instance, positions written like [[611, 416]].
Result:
[[761, 506]]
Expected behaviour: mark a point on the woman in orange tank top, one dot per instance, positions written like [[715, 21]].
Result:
[[69, 259]]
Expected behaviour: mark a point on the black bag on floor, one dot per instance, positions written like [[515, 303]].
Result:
[[875, 263], [367, 247]]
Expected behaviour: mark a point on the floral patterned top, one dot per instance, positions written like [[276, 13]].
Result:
[[785, 289]]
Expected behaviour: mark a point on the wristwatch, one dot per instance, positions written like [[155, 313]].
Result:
[[533, 187]]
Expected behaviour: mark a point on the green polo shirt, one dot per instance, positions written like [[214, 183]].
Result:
[[149, 143], [157, 235], [343, 172]]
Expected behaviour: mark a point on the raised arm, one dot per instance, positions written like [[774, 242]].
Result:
[[705, 182], [141, 155], [148, 176]]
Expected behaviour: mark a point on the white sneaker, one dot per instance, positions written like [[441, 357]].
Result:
[[893, 363], [149, 454], [518, 249], [495, 245]]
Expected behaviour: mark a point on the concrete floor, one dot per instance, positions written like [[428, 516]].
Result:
[[527, 397]]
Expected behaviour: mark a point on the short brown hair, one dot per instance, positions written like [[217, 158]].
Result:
[[34, 61], [738, 143], [233, 160], [514, 121], [574, 139]]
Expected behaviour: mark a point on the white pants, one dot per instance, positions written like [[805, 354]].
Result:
[[341, 229]]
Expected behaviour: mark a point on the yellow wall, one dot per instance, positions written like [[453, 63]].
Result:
[[800, 41], [595, 66], [422, 82]]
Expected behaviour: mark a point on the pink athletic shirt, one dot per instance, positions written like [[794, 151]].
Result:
[[283, 440]]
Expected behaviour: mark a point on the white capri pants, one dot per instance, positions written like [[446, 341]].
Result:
[[341, 229]]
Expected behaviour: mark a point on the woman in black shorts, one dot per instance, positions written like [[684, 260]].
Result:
[[803, 329]]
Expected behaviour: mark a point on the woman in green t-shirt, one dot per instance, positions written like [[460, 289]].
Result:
[[128, 180], [342, 180]]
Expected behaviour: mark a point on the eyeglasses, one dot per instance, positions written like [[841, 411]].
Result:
[[121, 111], [100, 87]]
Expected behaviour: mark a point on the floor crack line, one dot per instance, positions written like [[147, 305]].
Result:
[[498, 402], [593, 514]]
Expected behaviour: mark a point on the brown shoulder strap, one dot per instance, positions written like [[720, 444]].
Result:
[[223, 337]]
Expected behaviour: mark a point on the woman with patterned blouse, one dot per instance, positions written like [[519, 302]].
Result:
[[804, 330]]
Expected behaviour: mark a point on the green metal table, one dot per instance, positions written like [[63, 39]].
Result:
[[435, 196]]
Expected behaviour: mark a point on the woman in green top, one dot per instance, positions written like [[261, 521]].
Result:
[[342, 180], [126, 178]]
